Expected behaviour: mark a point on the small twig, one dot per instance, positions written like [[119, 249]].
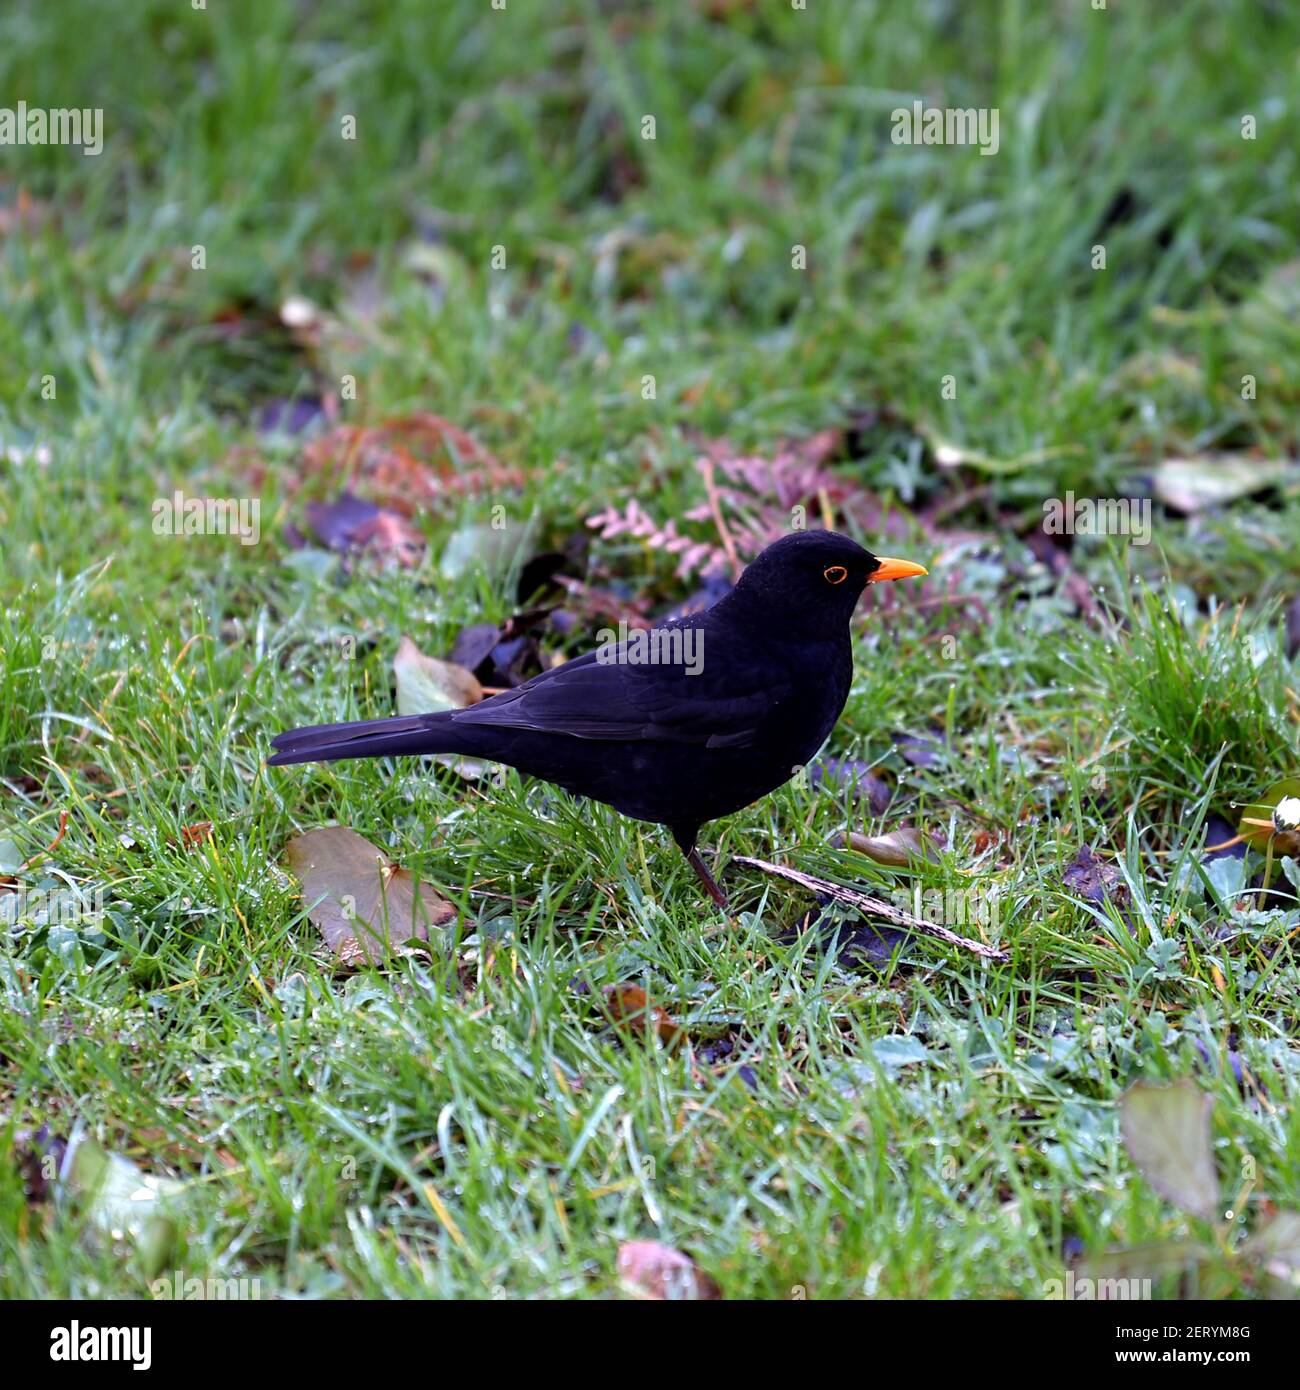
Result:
[[715, 507], [827, 508], [851, 897], [50, 848]]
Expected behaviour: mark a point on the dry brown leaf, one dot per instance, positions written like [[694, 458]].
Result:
[[363, 904], [897, 848], [628, 1005], [192, 836]]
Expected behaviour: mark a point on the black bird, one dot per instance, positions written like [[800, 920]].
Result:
[[680, 725]]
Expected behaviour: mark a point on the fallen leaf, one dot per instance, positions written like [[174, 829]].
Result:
[[652, 1270], [1166, 1130], [1094, 879], [425, 684], [192, 836], [922, 750], [296, 416], [124, 1198], [628, 1004], [898, 848], [362, 904], [1191, 485], [474, 644], [494, 549], [506, 654], [118, 1198], [950, 454], [352, 525]]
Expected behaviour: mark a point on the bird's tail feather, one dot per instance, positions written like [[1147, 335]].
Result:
[[365, 738]]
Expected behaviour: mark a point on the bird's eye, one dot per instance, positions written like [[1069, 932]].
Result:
[[836, 574]]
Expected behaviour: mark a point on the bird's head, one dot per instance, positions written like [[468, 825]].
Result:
[[813, 579]]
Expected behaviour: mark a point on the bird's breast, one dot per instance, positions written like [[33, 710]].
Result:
[[819, 676]]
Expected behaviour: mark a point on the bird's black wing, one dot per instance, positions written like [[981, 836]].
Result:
[[594, 699]]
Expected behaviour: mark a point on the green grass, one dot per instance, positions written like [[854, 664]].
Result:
[[470, 1123]]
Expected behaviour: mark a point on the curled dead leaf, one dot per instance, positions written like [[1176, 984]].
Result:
[[192, 836], [897, 848]]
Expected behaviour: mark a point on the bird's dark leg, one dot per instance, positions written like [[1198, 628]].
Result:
[[686, 843], [711, 885]]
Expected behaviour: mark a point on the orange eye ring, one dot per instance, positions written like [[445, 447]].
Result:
[[836, 574]]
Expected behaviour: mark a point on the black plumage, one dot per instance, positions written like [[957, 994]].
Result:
[[747, 695]]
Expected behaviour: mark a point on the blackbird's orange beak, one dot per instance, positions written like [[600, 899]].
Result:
[[895, 569]]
